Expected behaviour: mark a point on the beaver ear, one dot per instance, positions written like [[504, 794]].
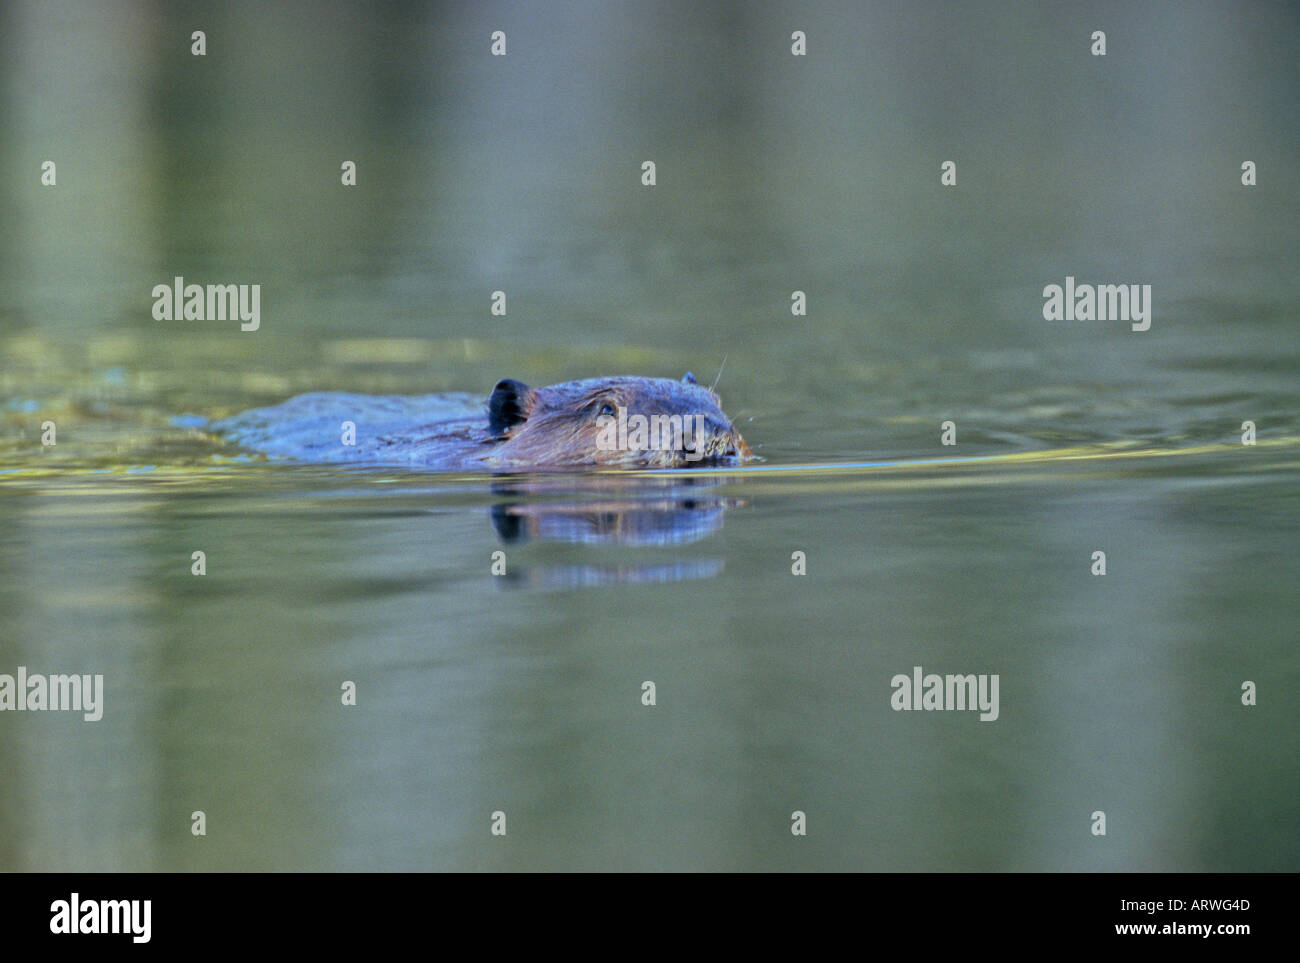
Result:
[[510, 404], [689, 379]]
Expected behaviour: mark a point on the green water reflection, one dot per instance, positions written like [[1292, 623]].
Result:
[[523, 692]]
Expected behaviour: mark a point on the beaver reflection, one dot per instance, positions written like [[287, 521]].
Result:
[[610, 510]]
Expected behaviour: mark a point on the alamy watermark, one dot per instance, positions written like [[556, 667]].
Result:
[[75, 915], [946, 692], [66, 693], [1101, 302], [179, 301], [623, 432]]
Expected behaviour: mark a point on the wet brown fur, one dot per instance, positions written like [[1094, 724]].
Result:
[[559, 425]]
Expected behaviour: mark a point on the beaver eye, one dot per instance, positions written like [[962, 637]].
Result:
[[607, 409]]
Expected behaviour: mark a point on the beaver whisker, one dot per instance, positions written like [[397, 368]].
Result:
[[714, 387]]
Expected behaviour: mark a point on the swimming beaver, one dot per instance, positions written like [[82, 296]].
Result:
[[620, 422]]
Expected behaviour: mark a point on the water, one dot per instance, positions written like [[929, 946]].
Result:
[[522, 692]]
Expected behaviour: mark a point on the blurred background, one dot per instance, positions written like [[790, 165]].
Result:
[[775, 173]]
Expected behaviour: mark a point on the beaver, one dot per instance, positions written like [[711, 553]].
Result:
[[617, 422]]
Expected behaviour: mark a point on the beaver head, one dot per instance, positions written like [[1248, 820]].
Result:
[[622, 422]]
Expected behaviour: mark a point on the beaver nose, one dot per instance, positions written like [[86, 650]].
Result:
[[728, 440]]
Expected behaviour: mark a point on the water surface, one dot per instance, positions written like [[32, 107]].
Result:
[[522, 692]]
